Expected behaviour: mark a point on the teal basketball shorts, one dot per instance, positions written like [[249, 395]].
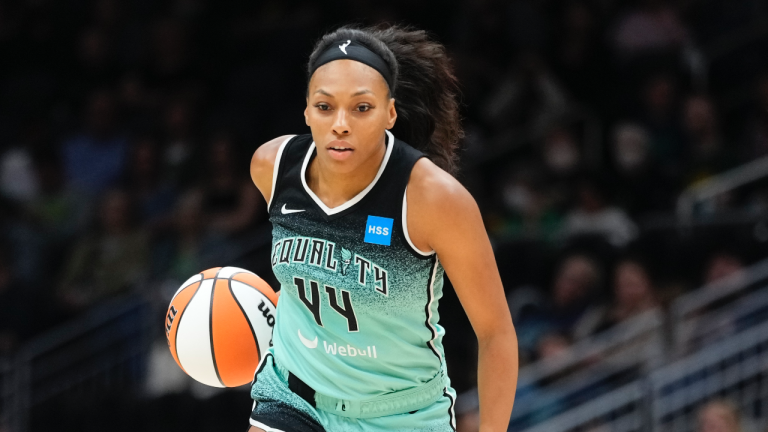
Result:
[[278, 409]]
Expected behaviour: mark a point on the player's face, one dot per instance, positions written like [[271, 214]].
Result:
[[348, 109]]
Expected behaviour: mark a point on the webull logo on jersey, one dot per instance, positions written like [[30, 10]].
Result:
[[350, 351], [322, 254], [340, 350]]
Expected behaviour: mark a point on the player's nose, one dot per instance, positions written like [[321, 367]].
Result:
[[341, 123]]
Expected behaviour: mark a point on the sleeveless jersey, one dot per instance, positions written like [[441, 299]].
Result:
[[357, 316]]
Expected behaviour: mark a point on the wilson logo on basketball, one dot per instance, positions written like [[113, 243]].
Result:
[[169, 322], [267, 314]]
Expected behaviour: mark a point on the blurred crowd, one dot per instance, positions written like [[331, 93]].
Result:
[[126, 129]]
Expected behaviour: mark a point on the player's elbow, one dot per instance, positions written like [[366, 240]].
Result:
[[502, 331]]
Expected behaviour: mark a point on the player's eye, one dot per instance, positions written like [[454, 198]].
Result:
[[364, 108], [322, 107]]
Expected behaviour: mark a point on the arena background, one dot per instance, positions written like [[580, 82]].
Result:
[[617, 150]]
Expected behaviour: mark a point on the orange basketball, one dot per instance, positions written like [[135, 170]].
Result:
[[219, 325]]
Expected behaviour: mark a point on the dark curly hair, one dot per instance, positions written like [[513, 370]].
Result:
[[425, 88]]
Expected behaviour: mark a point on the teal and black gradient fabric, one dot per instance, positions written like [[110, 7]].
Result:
[[357, 315]]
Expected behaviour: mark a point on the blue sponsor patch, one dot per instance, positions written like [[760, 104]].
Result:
[[378, 230]]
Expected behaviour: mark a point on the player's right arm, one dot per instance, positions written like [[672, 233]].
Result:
[[263, 165], [262, 170]]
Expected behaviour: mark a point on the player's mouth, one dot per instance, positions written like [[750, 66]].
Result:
[[339, 150]]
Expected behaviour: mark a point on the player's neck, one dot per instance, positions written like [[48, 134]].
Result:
[[335, 188]]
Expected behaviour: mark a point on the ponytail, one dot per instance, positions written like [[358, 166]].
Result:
[[425, 88]]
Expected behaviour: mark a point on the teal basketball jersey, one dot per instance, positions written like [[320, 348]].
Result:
[[357, 315]]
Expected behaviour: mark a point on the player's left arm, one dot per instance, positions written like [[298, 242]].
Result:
[[443, 216]]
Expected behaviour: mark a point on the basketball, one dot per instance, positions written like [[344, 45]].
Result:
[[219, 325]]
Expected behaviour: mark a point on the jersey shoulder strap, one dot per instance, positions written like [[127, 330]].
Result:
[[388, 193], [288, 163]]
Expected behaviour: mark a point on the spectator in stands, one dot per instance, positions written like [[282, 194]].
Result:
[[562, 154], [552, 345], [171, 65], [17, 175], [530, 97], [528, 306], [719, 416], [95, 158], [653, 25], [151, 191], [720, 319], [576, 285], [528, 207], [55, 209], [569, 310], [141, 107], [51, 219], [468, 421], [660, 116], [231, 201], [633, 293], [14, 307], [593, 215], [706, 154], [563, 160], [722, 264], [638, 183], [579, 54], [109, 259], [190, 247], [96, 62], [755, 128], [18, 187], [24, 312], [181, 161]]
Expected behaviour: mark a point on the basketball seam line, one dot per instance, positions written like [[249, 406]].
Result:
[[245, 315], [210, 328], [246, 283], [180, 288], [178, 325]]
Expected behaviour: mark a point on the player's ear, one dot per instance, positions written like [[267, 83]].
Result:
[[306, 112], [392, 113]]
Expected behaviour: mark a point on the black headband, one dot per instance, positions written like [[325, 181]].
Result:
[[354, 50]]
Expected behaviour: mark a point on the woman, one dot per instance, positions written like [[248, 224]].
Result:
[[719, 416], [633, 293], [363, 228]]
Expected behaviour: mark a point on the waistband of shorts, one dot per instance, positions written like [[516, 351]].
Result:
[[398, 402]]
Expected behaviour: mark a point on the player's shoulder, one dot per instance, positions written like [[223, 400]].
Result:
[[263, 164], [266, 154], [433, 187]]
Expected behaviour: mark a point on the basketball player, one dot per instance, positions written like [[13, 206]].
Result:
[[364, 227]]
